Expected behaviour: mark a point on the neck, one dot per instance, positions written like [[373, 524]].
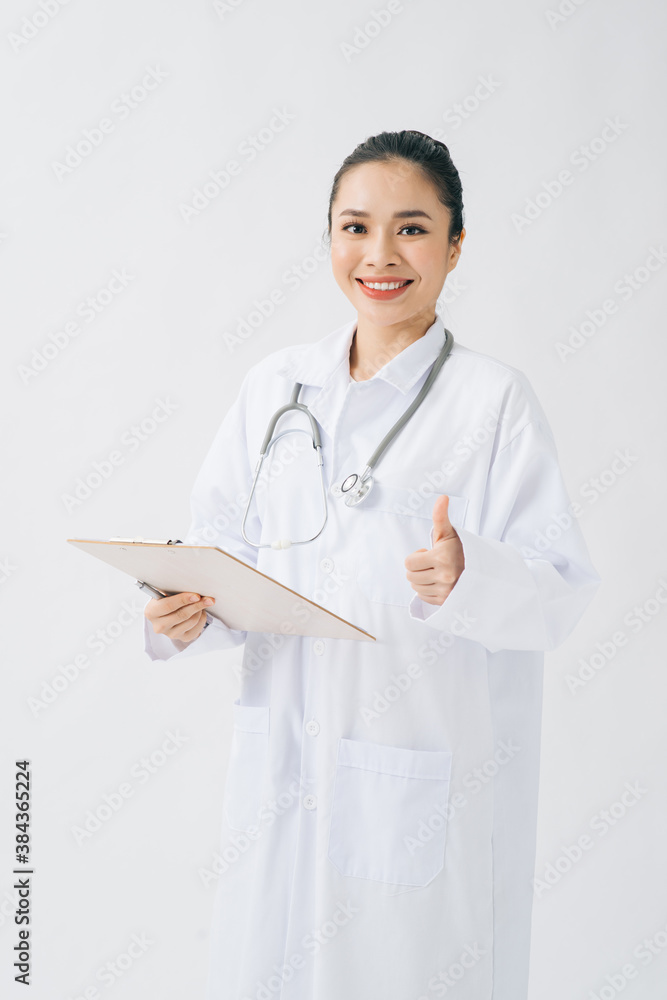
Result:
[[374, 346]]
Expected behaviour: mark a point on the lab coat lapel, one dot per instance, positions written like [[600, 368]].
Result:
[[325, 365]]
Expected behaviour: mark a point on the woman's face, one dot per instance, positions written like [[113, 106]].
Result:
[[388, 225]]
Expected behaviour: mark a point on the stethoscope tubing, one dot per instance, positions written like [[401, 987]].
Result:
[[363, 480]]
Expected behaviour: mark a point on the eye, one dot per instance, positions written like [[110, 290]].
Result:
[[359, 225], [418, 228]]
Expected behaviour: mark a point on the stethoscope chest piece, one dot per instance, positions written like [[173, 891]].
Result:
[[363, 484]]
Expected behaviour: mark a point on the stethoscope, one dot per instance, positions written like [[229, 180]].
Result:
[[355, 487]]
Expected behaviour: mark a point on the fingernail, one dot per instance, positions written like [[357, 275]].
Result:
[[193, 597], [208, 601]]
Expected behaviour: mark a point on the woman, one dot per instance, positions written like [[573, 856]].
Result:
[[381, 798]]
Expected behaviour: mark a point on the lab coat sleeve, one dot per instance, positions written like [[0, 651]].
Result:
[[528, 577], [217, 503]]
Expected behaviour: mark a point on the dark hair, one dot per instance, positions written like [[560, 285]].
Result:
[[430, 155]]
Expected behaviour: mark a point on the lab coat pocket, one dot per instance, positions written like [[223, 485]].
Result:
[[398, 522], [247, 766], [389, 812]]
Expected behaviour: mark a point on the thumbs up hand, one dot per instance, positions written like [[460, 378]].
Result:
[[433, 572]]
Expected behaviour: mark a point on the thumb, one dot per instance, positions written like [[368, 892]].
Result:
[[442, 526]]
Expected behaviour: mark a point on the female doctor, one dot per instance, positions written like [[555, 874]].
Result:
[[380, 805]]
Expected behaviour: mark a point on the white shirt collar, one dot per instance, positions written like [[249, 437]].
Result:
[[315, 363]]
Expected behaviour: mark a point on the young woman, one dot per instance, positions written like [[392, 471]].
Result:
[[380, 806]]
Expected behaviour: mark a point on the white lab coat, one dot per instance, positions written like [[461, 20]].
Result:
[[381, 798]]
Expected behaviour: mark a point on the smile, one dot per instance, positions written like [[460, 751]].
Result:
[[382, 290], [384, 286]]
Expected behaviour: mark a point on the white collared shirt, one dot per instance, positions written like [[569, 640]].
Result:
[[386, 792]]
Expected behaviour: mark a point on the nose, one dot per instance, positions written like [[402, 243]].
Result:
[[381, 250]]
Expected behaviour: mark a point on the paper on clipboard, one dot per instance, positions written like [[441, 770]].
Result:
[[244, 598]]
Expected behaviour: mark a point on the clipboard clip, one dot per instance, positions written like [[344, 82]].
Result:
[[148, 541]]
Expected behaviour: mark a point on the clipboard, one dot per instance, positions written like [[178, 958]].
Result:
[[245, 598]]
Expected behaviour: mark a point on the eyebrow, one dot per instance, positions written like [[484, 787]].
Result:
[[409, 213]]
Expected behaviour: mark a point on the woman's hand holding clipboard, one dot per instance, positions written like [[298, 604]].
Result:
[[181, 616]]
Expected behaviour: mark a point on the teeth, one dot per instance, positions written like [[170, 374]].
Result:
[[385, 286]]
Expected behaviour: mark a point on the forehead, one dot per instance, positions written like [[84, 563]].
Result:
[[379, 180]]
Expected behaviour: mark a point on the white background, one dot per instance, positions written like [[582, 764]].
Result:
[[219, 74]]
